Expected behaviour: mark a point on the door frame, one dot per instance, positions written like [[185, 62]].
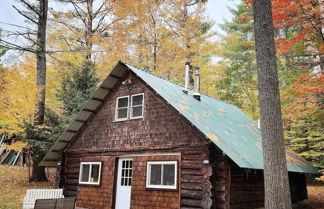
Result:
[[115, 185]]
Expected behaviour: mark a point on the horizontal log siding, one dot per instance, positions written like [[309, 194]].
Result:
[[220, 178], [70, 177], [195, 184], [247, 188]]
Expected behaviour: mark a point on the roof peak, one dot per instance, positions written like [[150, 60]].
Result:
[[190, 89]]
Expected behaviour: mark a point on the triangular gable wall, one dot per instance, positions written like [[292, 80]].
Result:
[[161, 127]]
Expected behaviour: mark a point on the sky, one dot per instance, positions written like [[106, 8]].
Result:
[[217, 10]]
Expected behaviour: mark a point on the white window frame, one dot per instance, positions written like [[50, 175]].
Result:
[[148, 174], [116, 109], [131, 107], [90, 170]]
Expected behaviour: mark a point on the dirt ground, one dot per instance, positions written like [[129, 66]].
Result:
[[315, 198]]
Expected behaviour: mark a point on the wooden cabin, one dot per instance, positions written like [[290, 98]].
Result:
[[143, 142]]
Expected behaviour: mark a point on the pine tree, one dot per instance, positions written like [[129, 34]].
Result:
[[77, 88], [237, 83]]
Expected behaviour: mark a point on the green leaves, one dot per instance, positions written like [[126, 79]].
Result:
[[237, 84], [77, 88]]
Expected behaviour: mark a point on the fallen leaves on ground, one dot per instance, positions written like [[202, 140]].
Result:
[[14, 183], [315, 198]]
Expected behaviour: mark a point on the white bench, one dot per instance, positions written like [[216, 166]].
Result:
[[33, 194]]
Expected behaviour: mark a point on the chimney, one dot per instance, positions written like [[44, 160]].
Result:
[[185, 90], [196, 95]]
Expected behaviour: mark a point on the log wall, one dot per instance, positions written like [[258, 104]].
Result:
[[220, 178], [247, 188], [193, 192]]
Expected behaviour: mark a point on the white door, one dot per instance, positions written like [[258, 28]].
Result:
[[124, 183]]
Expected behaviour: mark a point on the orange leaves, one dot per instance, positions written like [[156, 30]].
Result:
[[303, 15], [302, 97], [245, 18]]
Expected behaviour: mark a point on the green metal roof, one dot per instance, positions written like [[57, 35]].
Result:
[[224, 124], [227, 126]]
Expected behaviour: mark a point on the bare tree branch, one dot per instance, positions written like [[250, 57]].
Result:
[[18, 26], [30, 7], [20, 12], [13, 46]]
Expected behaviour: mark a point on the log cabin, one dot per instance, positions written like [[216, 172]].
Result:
[[144, 142]]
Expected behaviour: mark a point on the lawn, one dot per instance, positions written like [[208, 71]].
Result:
[[13, 185], [14, 182]]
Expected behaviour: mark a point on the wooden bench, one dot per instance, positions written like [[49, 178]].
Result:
[[33, 194]]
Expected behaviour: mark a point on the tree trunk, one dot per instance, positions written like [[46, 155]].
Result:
[[41, 63], [38, 173], [276, 183], [89, 32]]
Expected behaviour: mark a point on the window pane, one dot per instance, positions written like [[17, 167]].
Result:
[[137, 111], [168, 175], [155, 175], [137, 100], [85, 173], [94, 173], [122, 113], [123, 102]]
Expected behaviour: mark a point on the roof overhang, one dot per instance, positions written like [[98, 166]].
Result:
[[90, 108]]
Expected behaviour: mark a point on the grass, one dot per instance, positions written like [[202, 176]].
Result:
[[14, 183]]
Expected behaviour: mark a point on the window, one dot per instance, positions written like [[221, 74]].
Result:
[[122, 108], [90, 173], [161, 175], [126, 172], [137, 106]]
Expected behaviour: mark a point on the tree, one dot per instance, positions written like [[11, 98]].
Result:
[[302, 19], [35, 14], [237, 81], [77, 88], [276, 183], [84, 26], [298, 44]]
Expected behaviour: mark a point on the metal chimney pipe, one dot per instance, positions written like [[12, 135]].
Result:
[[187, 77], [196, 95], [197, 80]]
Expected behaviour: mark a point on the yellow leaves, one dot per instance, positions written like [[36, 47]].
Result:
[[18, 99], [17, 102], [17, 146]]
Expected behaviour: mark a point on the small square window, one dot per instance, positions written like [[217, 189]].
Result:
[[162, 175], [122, 108], [90, 173], [137, 106]]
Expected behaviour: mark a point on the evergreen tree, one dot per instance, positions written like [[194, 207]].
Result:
[[237, 84], [77, 88], [300, 83]]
